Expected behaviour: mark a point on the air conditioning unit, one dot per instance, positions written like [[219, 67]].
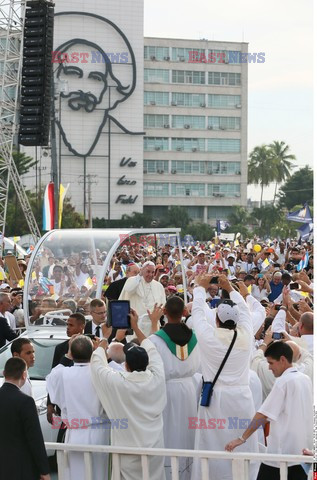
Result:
[[238, 195], [215, 194], [210, 127], [186, 125], [173, 172], [194, 149], [166, 125], [222, 128], [174, 104], [238, 173], [153, 102], [187, 192], [202, 104], [238, 105], [167, 59], [221, 194], [182, 59], [157, 148], [209, 172], [160, 171], [144, 171], [153, 57], [226, 61], [179, 149]]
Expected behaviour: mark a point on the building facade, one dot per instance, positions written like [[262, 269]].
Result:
[[195, 119], [143, 124]]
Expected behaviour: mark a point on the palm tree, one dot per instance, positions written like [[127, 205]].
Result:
[[261, 168], [283, 163]]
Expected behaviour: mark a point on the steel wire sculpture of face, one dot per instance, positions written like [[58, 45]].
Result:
[[93, 89]]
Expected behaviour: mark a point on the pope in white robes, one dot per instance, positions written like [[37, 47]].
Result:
[[144, 292]]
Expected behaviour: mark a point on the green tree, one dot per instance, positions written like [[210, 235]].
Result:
[[268, 217], [298, 189], [176, 217], [239, 220], [199, 231], [282, 161], [261, 168]]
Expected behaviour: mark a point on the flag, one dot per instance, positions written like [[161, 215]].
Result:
[[30, 249], [265, 263], [1, 275], [21, 283], [33, 276], [305, 230], [88, 283], [302, 216], [236, 242], [222, 225], [62, 195], [48, 207], [45, 284], [16, 239], [249, 288], [303, 263]]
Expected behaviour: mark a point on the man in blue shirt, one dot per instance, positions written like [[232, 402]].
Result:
[[276, 286]]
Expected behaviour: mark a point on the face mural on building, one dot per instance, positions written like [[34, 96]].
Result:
[[99, 77]]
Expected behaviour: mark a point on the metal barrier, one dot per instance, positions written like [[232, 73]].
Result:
[[240, 461]]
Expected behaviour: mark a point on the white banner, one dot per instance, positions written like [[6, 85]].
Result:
[[227, 236]]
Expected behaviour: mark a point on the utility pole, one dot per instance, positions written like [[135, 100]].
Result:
[[89, 182]]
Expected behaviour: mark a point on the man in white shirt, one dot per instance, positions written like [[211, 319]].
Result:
[[23, 348], [289, 408]]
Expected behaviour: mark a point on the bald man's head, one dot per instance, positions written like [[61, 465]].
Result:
[[296, 350], [307, 323], [116, 353]]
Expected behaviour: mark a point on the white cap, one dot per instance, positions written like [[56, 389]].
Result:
[[231, 255], [3, 286], [227, 312], [227, 249], [164, 275], [200, 252]]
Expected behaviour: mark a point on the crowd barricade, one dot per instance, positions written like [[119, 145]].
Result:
[[240, 461]]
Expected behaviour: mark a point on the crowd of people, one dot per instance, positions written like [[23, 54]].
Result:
[[219, 355]]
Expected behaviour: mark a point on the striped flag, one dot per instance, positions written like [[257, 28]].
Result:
[[62, 195], [303, 263], [48, 207]]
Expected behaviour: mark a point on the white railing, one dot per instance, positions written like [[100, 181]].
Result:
[[240, 461]]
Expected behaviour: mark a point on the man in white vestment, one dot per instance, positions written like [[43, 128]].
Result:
[[177, 345], [231, 402], [23, 348], [143, 291], [289, 408], [138, 395], [72, 390]]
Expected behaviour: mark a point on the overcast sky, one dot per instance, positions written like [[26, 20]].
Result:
[[281, 89]]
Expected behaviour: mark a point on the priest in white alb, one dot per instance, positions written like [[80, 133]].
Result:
[[71, 388], [138, 396], [177, 345]]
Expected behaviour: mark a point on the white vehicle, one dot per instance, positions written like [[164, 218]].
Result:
[[44, 341]]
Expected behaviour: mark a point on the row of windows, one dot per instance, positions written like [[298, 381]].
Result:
[[159, 75], [189, 167], [192, 100], [191, 190], [213, 212], [191, 54], [192, 121], [216, 145]]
